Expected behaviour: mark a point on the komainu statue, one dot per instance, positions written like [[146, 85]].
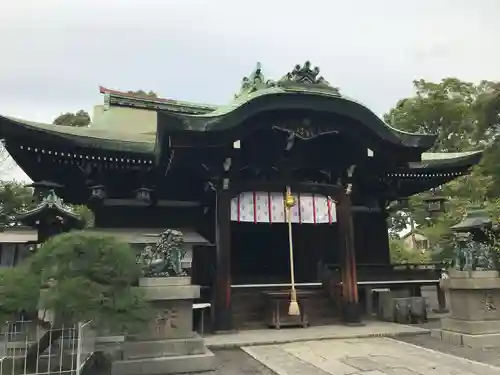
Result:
[[472, 255], [165, 257]]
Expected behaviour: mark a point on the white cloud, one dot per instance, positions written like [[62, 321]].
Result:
[[56, 53]]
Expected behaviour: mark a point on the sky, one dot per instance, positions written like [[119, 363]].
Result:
[[55, 53]]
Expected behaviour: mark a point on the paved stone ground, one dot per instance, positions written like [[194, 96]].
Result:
[[368, 356], [371, 328], [237, 362]]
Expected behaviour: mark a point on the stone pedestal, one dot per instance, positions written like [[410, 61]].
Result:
[[474, 318], [169, 344]]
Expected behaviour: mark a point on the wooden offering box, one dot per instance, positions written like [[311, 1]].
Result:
[[276, 309]]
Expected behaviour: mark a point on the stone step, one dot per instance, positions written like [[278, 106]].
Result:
[[166, 365], [132, 350], [281, 362]]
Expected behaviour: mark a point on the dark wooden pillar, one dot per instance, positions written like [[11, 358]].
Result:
[[222, 318], [350, 304]]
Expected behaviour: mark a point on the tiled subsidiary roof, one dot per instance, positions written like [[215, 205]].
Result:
[[83, 136], [121, 98]]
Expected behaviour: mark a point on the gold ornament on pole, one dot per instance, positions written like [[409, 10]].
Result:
[[293, 309]]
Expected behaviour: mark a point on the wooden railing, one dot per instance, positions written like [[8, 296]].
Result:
[[390, 272]]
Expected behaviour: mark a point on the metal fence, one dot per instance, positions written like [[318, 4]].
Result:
[[22, 348]]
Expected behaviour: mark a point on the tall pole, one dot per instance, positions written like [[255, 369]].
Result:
[[293, 309]]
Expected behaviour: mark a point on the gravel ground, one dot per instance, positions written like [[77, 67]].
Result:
[[237, 362], [489, 356]]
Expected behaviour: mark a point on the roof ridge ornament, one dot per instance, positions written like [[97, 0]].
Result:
[[307, 75], [52, 199], [254, 82]]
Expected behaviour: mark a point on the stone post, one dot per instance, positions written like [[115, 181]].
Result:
[[168, 345]]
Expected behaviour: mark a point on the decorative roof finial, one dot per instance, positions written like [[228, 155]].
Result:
[[306, 75], [254, 82]]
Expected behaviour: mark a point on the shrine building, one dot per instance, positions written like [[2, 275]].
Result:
[[218, 174]]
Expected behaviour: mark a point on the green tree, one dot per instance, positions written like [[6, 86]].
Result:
[[14, 198], [79, 277], [85, 214], [78, 119], [449, 108], [19, 292], [400, 254], [465, 116], [90, 277], [487, 109]]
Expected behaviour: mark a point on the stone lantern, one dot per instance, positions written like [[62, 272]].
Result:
[[97, 192], [476, 219], [143, 195], [473, 286], [435, 203]]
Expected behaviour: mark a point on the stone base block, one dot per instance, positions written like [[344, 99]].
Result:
[[163, 348], [168, 288], [166, 365], [464, 339], [173, 292], [405, 310], [164, 281], [456, 274], [471, 327], [386, 303]]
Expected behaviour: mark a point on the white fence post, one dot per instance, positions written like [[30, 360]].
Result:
[[79, 363], [76, 342]]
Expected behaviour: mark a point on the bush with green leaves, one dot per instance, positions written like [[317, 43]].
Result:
[[400, 254], [19, 292], [81, 276]]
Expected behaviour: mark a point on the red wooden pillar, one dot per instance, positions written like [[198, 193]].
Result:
[[222, 318], [350, 303]]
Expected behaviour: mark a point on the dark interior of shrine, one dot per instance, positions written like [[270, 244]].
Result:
[[260, 252]]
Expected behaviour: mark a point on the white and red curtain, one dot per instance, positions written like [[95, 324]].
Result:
[[264, 207]]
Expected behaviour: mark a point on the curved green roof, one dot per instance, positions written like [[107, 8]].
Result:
[[299, 89], [443, 159]]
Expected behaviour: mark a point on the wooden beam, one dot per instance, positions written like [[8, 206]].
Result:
[[351, 313], [335, 191], [222, 318], [137, 203]]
